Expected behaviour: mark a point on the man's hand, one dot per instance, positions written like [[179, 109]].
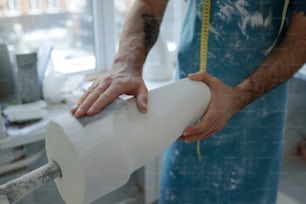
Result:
[[138, 36], [108, 87], [278, 67], [225, 102]]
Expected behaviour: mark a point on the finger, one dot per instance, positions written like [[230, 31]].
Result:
[[193, 130], [204, 125], [192, 138], [200, 131], [209, 132], [91, 97], [201, 76], [81, 100], [84, 106], [142, 100], [85, 95], [197, 137], [195, 76], [74, 108], [103, 100]]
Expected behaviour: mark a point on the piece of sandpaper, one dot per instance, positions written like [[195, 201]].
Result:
[[112, 108]]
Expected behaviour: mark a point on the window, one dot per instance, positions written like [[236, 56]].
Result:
[[75, 51], [2, 8], [34, 6], [121, 9], [12, 7], [69, 31], [83, 33], [161, 61], [52, 5], [170, 26]]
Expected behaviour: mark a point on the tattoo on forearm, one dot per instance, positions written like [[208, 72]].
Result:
[[151, 29]]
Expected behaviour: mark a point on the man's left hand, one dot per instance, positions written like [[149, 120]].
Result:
[[225, 102]]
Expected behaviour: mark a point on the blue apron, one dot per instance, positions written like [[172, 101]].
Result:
[[241, 163]]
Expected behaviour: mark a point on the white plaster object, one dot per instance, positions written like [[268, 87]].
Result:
[[25, 112], [98, 158]]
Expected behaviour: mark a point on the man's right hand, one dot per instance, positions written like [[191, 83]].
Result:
[[108, 87], [138, 36]]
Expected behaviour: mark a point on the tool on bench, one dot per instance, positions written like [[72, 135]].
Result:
[[16, 189]]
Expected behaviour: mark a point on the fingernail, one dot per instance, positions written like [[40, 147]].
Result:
[[189, 141], [78, 113], [145, 106], [186, 134], [91, 110], [74, 107]]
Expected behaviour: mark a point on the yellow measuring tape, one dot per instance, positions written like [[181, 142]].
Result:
[[203, 49], [285, 8], [204, 33]]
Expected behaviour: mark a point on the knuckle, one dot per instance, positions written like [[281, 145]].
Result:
[[95, 108], [109, 96], [143, 90], [95, 93], [120, 82], [100, 89], [93, 86], [108, 79], [83, 106], [199, 128]]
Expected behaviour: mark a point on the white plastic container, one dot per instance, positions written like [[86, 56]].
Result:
[[158, 65]]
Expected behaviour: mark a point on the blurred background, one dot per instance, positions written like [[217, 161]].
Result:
[[51, 50]]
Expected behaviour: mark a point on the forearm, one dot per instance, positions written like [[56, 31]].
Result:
[[140, 32], [280, 65]]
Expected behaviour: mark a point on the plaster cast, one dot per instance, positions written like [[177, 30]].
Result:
[[98, 157]]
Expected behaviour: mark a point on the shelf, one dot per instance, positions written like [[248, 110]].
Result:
[[31, 133]]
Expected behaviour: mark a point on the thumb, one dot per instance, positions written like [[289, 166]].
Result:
[[142, 100], [201, 76]]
